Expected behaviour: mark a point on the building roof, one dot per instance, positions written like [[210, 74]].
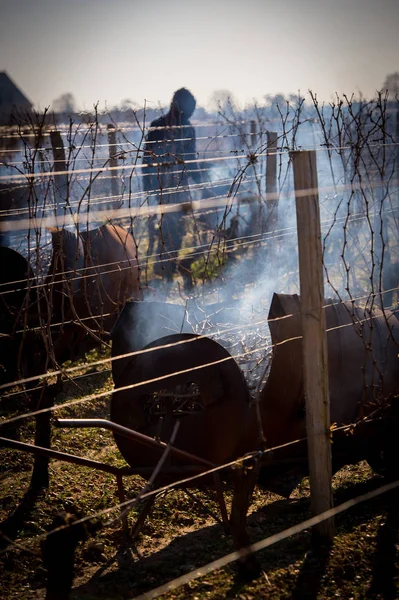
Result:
[[11, 98]]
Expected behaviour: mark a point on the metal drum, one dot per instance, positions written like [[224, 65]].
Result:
[[189, 378], [363, 370], [363, 363]]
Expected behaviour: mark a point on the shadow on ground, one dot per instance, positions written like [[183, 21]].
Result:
[[126, 576], [12, 525]]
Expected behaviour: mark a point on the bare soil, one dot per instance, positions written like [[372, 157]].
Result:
[[180, 535]]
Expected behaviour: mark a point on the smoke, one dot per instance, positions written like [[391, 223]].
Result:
[[359, 222]]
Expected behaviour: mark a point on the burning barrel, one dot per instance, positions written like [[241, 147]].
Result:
[[194, 379], [363, 369], [188, 377], [363, 363]]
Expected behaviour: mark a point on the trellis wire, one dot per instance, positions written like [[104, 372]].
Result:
[[92, 397], [264, 543]]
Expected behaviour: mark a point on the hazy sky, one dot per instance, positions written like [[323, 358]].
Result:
[[110, 50]]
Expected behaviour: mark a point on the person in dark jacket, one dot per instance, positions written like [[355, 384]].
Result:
[[170, 143]]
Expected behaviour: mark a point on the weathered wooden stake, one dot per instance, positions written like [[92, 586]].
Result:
[[314, 337], [253, 137], [60, 181], [271, 181], [397, 143], [243, 137], [113, 161], [255, 202]]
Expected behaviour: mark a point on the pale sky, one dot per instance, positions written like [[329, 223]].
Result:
[[111, 50]]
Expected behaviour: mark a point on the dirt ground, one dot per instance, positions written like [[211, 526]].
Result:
[[180, 535]]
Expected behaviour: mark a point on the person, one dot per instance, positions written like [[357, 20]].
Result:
[[170, 142]]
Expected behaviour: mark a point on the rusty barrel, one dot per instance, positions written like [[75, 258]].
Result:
[[18, 308], [363, 364], [363, 370], [189, 377]]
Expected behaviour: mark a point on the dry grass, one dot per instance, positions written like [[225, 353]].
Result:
[[179, 535]]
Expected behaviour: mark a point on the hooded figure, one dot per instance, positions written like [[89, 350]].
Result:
[[169, 144]]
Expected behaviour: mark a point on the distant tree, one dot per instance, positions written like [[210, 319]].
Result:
[[66, 103], [223, 101], [391, 84], [128, 104], [274, 103]]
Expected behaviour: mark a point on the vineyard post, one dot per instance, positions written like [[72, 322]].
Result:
[[256, 204], [271, 180], [397, 145], [314, 342], [113, 161], [60, 170], [253, 134], [242, 137]]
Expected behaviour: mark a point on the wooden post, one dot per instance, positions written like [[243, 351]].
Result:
[[243, 137], [271, 181], [397, 145], [253, 134], [314, 337], [60, 181], [394, 269], [113, 162], [255, 200]]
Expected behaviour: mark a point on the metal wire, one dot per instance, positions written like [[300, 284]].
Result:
[[192, 251], [265, 543], [91, 397]]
